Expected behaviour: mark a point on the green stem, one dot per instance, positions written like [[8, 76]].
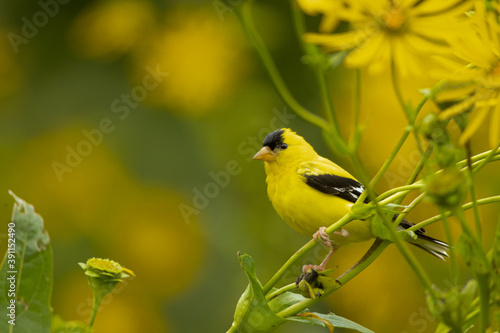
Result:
[[318, 61], [455, 277], [410, 258], [397, 91], [416, 171], [398, 195], [466, 206], [408, 209], [288, 287], [357, 129], [490, 156], [472, 192], [482, 278], [410, 180], [377, 248], [356, 100], [391, 157], [245, 17], [406, 188], [303, 250], [484, 301], [95, 307], [288, 264], [233, 329], [478, 162]]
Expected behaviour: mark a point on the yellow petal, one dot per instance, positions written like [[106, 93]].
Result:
[[328, 23], [314, 7], [336, 42], [449, 63], [448, 27], [455, 94], [382, 59], [476, 118], [494, 32], [370, 6], [463, 75], [404, 56], [457, 108], [430, 7], [474, 50], [407, 3], [365, 52], [424, 45]]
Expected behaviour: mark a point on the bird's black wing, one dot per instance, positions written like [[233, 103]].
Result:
[[407, 224], [346, 188]]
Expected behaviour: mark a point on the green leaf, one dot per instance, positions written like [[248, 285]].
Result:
[[361, 211], [284, 301], [442, 328], [252, 313], [335, 320], [380, 230], [61, 326], [30, 270], [337, 58]]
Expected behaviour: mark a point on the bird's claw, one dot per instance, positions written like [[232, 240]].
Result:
[[316, 268], [321, 234], [342, 232]]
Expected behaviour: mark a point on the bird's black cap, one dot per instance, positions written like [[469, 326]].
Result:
[[274, 139]]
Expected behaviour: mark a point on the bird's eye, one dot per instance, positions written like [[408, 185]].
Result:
[[284, 146]]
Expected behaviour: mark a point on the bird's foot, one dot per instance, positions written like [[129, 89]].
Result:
[[325, 238], [321, 267], [317, 268]]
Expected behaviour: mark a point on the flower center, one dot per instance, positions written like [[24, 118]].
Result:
[[496, 69], [394, 18]]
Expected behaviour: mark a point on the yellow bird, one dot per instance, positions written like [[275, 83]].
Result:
[[310, 193]]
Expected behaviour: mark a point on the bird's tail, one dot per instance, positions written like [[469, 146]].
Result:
[[431, 245]]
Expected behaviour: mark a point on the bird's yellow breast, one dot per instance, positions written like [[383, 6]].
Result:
[[306, 209]]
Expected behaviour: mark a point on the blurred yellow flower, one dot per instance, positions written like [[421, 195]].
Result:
[[204, 57], [477, 85], [398, 32], [109, 29], [330, 9]]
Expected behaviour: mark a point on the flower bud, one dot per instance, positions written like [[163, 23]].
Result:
[[446, 189], [452, 306], [104, 274]]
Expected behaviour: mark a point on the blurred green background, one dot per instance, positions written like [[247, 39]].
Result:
[[78, 80]]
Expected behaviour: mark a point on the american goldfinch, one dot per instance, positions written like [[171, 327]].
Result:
[[310, 193]]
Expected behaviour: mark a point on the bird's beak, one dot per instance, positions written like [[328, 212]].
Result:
[[265, 154]]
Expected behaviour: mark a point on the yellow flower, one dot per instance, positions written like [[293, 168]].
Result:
[[330, 9], [105, 269], [391, 31], [108, 29], [103, 275], [477, 85], [204, 57]]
